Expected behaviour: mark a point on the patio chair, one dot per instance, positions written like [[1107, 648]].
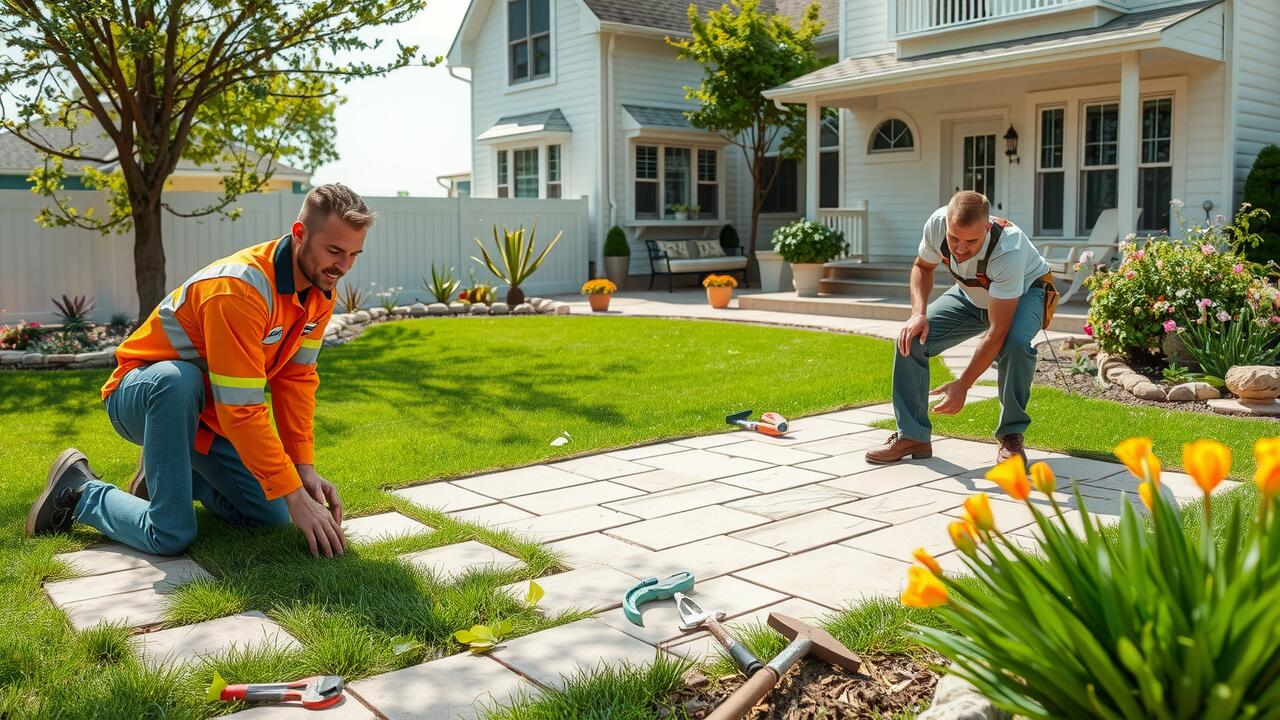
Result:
[[1103, 241]]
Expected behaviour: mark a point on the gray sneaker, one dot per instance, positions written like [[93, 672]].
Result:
[[54, 511]]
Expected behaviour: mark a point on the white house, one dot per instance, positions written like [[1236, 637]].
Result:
[[1110, 103], [584, 98]]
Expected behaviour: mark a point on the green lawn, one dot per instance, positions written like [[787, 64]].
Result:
[[405, 403]]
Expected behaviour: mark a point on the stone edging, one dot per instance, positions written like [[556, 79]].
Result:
[[24, 360], [1116, 371], [345, 326]]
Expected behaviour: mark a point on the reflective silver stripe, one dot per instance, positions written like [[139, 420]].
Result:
[[173, 329], [238, 395], [306, 355]]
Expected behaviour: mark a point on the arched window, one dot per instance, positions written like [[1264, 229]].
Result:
[[892, 135]]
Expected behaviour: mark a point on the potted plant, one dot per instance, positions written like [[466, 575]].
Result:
[[598, 292], [617, 257], [681, 212], [807, 245], [693, 212], [518, 261], [719, 289]]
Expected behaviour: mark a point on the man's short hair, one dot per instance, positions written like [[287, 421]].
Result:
[[334, 199], [968, 208]]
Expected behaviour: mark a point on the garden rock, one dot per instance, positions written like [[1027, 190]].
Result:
[[458, 308], [1257, 383], [956, 699], [1147, 390], [11, 357], [378, 313], [523, 309], [479, 309], [1116, 371], [1106, 362], [418, 310], [363, 316], [33, 359], [401, 311], [99, 356], [1130, 380], [560, 308], [437, 309], [60, 359], [1193, 391], [499, 308]]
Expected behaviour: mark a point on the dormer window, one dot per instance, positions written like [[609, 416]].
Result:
[[528, 39]]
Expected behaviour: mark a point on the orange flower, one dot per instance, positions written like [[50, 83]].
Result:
[[1011, 476], [978, 510], [1136, 454], [963, 537], [1146, 492], [1208, 461], [924, 589], [924, 558], [1043, 478], [1267, 451]]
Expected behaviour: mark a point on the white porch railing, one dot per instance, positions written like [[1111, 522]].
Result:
[[920, 16], [852, 221]]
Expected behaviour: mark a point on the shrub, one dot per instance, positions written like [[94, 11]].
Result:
[[352, 298], [1153, 623], [67, 342], [1156, 288], [714, 280], [518, 260], [729, 237], [1220, 340], [1262, 190], [73, 312], [387, 297], [615, 243], [806, 241], [442, 284], [599, 286], [120, 320], [20, 336]]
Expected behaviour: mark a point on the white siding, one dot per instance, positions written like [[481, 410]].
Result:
[[1257, 96], [575, 70], [866, 27]]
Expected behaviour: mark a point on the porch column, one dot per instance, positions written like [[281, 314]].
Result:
[[1129, 135], [813, 134]]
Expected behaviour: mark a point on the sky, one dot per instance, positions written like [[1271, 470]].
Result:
[[397, 133]]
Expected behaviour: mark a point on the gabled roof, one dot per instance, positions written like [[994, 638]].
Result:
[[17, 155], [543, 121], [882, 69]]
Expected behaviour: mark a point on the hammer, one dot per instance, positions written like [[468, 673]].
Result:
[[805, 639]]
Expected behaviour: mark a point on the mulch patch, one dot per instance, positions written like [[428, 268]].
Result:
[[814, 690]]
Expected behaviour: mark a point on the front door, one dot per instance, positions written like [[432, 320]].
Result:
[[973, 159]]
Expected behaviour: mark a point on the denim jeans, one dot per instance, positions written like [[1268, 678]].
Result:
[[952, 320], [158, 407]]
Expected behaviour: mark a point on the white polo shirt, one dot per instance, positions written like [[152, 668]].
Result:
[[1013, 267]]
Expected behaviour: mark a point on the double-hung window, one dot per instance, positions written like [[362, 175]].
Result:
[[1050, 172], [1155, 164], [666, 176], [528, 39], [1099, 168]]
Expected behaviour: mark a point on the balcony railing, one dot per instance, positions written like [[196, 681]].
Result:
[[852, 221], [922, 16]]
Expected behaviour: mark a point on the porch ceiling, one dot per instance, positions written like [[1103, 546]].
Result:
[[1167, 30]]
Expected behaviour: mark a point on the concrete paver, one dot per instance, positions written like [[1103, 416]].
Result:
[[598, 549], [659, 480], [557, 526], [679, 499], [602, 467], [490, 515], [109, 557], [452, 688], [712, 557], [452, 561], [521, 481], [554, 501], [548, 657], [834, 575], [779, 477], [804, 532], [902, 505], [383, 526], [131, 609], [766, 453], [443, 496], [726, 594], [212, 638], [796, 501], [161, 577], [595, 587], [348, 708], [680, 528], [705, 464]]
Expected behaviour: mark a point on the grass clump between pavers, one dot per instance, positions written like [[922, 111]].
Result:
[[405, 403], [610, 692]]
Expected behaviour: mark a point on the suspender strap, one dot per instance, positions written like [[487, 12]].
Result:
[[982, 281]]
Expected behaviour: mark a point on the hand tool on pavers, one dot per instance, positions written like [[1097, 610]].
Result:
[[654, 589], [805, 639], [313, 693], [693, 617], [770, 423]]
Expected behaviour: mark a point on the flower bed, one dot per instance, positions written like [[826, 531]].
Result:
[[79, 345]]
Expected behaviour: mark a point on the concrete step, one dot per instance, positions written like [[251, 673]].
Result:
[[1069, 318], [874, 288], [897, 271]]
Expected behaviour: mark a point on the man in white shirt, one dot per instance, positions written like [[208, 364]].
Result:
[[1000, 292]]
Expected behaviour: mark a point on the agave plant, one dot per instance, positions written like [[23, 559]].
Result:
[[352, 298], [518, 261], [74, 312], [442, 285]]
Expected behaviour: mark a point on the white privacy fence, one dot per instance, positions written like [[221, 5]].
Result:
[[38, 263]]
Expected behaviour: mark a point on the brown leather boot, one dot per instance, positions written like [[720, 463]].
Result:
[[138, 485], [897, 448], [1011, 445]]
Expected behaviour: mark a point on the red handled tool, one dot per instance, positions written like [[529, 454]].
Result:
[[313, 693], [770, 423]]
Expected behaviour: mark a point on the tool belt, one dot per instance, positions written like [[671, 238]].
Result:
[[1050, 298], [982, 281]]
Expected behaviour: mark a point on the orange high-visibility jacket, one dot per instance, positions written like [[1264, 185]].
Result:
[[241, 321]]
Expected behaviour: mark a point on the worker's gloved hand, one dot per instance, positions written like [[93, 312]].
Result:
[[322, 531], [324, 492]]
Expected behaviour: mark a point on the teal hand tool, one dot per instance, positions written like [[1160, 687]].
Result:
[[654, 589]]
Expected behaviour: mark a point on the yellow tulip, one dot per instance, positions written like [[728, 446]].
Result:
[[963, 537], [924, 589], [1011, 476], [1146, 492], [923, 557], [1208, 461], [978, 510], [1267, 451], [1136, 454], [1043, 478]]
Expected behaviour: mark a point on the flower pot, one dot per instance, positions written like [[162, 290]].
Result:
[[805, 278], [617, 268], [682, 216], [718, 297], [515, 296], [599, 302], [775, 273]]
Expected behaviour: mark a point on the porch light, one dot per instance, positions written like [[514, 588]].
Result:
[[1011, 145], [1208, 208]]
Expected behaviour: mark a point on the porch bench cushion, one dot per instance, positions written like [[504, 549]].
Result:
[[692, 265]]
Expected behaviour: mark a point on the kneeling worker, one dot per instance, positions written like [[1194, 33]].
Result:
[[1004, 291], [190, 388]]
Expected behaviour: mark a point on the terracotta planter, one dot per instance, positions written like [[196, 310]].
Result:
[[617, 268], [718, 297], [599, 302], [805, 278]]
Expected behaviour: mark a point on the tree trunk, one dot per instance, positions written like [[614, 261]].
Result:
[[148, 256]]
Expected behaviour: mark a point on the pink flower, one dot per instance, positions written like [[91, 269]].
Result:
[[1086, 256], [1237, 268], [1223, 316], [1170, 326], [1088, 327], [1129, 275], [1207, 249], [1275, 319], [1204, 303], [1139, 254]]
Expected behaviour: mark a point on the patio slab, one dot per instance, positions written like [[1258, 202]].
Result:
[[702, 442], [705, 464], [131, 609], [557, 526], [348, 708], [646, 451], [780, 477], [898, 541], [773, 454], [881, 479], [662, 621], [687, 497], [796, 501], [903, 505], [602, 467], [554, 501], [842, 465], [798, 608], [861, 440], [193, 643], [109, 557], [659, 480], [804, 532], [452, 561], [458, 686], [833, 576], [595, 587], [680, 528], [549, 656], [490, 515], [161, 578], [442, 496], [383, 526], [521, 481]]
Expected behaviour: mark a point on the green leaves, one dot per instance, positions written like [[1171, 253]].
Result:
[[442, 285], [483, 638], [535, 594], [518, 261]]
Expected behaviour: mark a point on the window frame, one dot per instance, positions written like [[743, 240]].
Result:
[[556, 183], [875, 132], [532, 78], [1082, 226], [506, 154], [1142, 165], [502, 173], [660, 144], [1041, 170], [834, 121], [779, 158]]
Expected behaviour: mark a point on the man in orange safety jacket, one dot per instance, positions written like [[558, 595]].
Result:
[[190, 388]]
